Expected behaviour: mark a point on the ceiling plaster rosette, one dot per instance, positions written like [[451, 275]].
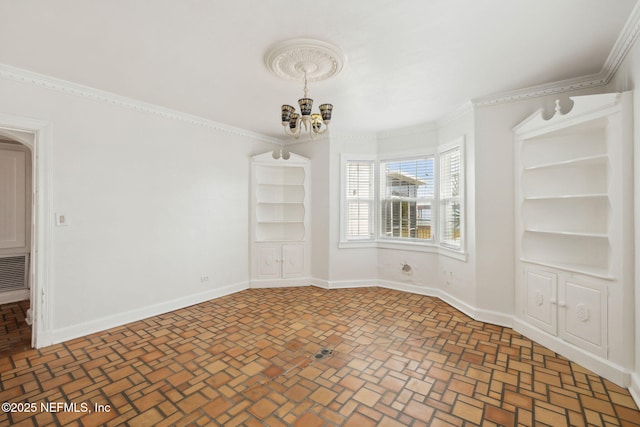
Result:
[[292, 59]]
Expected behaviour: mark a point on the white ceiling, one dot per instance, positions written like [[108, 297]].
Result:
[[408, 61]]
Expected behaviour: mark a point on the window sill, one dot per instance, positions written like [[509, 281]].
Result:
[[405, 246], [350, 244]]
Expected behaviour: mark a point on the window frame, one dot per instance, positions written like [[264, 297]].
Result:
[[461, 198], [345, 239], [382, 199], [433, 245]]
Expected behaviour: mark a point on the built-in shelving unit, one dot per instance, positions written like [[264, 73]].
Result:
[[573, 227], [280, 214]]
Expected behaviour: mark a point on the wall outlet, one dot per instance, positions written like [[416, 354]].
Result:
[[61, 220], [204, 279]]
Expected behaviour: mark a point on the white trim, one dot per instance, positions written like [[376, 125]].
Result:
[[41, 265], [623, 44], [28, 77], [14, 296], [280, 283], [458, 143], [346, 284], [584, 82], [634, 388], [362, 242], [415, 246], [617, 55], [597, 364], [104, 323], [486, 316]]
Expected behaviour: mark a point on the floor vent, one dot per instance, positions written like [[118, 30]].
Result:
[[13, 273], [323, 353]]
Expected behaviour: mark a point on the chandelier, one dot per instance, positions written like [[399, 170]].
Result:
[[293, 122], [308, 60]]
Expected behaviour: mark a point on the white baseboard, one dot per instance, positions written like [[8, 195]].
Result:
[[14, 296], [487, 316], [634, 388], [83, 329], [605, 368], [280, 283], [348, 284]]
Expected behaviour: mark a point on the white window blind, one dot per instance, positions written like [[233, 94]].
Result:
[[359, 199], [406, 196], [450, 198]]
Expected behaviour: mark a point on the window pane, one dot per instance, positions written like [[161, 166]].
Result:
[[423, 220], [450, 174], [407, 190], [359, 199], [408, 178], [450, 197], [359, 179], [358, 224], [450, 230]]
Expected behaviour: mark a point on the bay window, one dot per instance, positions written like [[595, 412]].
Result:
[[415, 201]]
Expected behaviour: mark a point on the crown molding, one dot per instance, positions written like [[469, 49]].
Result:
[[617, 55], [38, 80], [625, 41], [584, 82]]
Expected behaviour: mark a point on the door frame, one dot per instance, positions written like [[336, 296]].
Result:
[[41, 224]]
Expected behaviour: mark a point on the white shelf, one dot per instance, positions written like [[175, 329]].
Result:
[[280, 203], [579, 161], [279, 199], [568, 233], [568, 196], [281, 185], [573, 268], [280, 222]]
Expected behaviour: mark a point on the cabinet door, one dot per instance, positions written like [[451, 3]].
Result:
[[583, 314], [540, 308], [269, 262], [292, 261]]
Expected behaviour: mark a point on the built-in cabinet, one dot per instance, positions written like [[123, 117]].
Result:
[[280, 219], [573, 218]]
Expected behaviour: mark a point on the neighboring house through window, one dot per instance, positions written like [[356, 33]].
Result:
[[415, 200]]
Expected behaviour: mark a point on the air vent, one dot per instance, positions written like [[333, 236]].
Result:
[[13, 273]]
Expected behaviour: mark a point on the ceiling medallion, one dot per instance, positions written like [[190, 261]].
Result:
[[305, 60]]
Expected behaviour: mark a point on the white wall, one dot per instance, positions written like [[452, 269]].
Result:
[[152, 204]]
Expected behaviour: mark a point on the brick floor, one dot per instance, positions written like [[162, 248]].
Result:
[[15, 334], [256, 358]]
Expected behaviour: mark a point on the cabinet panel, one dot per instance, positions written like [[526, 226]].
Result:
[[269, 261], [583, 320], [541, 288], [292, 261]]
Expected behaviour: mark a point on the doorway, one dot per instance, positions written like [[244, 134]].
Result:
[[33, 136]]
